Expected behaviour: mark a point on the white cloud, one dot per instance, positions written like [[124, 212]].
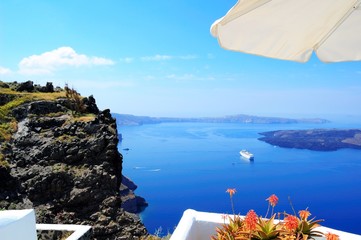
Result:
[[156, 58], [127, 60], [159, 57], [190, 77], [188, 57], [149, 77], [210, 56], [4, 70], [48, 62]]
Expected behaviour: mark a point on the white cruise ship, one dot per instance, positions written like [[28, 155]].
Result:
[[246, 154]]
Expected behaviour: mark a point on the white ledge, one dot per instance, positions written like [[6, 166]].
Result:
[[20, 224], [196, 225], [17, 224]]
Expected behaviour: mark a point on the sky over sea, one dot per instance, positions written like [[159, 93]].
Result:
[[158, 58]]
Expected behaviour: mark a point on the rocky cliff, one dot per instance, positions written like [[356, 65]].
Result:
[[59, 155]]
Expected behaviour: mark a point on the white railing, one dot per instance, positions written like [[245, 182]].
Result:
[[79, 231]]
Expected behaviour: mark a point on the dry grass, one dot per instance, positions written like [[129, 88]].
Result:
[[34, 95], [3, 162], [8, 123], [7, 129], [85, 118], [65, 235], [24, 97]]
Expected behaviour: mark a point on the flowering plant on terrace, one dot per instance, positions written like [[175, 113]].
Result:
[[255, 227]]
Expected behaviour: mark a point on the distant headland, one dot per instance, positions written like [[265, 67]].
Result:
[[315, 139], [131, 120]]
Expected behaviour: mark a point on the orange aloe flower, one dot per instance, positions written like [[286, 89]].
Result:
[[251, 220], [304, 214], [273, 200], [231, 191], [291, 222], [332, 236]]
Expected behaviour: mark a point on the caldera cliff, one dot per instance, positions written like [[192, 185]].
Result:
[[59, 156]]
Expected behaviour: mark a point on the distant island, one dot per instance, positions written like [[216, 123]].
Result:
[[131, 120], [316, 139]]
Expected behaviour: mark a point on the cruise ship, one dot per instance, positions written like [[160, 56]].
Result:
[[246, 154]]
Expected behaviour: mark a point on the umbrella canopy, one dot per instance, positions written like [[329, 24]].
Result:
[[293, 29]]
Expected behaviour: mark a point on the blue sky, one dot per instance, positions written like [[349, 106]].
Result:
[[158, 58]]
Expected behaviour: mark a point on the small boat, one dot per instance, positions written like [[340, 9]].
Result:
[[246, 154]]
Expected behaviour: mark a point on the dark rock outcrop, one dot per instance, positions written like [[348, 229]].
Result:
[[316, 139], [130, 202], [67, 167], [27, 86]]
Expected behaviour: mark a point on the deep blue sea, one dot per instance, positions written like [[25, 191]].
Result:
[[178, 166]]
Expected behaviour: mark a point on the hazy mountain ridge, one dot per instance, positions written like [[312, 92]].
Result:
[[132, 120]]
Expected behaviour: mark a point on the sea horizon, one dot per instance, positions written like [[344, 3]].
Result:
[[179, 166]]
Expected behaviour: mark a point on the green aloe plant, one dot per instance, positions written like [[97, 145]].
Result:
[[266, 229], [229, 231], [306, 228]]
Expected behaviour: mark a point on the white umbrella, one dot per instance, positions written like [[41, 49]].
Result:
[[293, 29]]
